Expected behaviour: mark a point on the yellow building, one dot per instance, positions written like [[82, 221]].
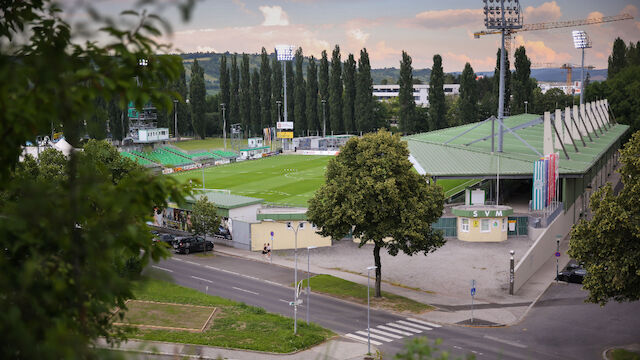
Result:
[[280, 226], [482, 223]]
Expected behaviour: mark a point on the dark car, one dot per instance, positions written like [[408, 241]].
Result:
[[572, 273], [191, 244], [224, 232], [164, 238]]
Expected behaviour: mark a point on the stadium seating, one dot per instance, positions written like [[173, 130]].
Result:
[[225, 154], [166, 158], [140, 160]]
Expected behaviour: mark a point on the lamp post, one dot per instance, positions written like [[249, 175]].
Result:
[[279, 118], [504, 18], [175, 116], [558, 237], [295, 229], [309, 248], [285, 53], [511, 272], [324, 118], [581, 41], [224, 126], [525, 106], [368, 309]]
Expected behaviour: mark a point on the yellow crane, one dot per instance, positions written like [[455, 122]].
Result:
[[568, 67]]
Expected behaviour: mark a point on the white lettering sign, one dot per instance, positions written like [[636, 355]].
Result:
[[475, 213], [498, 213]]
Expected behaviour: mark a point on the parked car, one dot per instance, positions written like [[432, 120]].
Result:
[[572, 273], [189, 244], [165, 238], [224, 232]]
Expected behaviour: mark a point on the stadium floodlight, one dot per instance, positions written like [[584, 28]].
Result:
[[285, 52], [581, 41], [504, 15]]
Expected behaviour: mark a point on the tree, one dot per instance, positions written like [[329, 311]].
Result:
[[276, 91], [372, 191], [407, 115], [299, 95], [265, 89], [468, 103], [248, 123], [335, 92], [349, 78], [609, 243], [290, 92], [617, 59], [234, 100], [323, 87], [522, 85], [507, 81], [97, 123], [437, 108], [184, 114], [255, 100], [365, 104], [225, 86], [204, 218], [197, 98], [312, 95]]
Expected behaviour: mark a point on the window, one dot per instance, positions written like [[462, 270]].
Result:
[[464, 224], [504, 224], [484, 225]]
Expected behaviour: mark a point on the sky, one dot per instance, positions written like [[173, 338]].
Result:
[[385, 28]]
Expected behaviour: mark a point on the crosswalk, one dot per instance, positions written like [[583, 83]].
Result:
[[391, 331]]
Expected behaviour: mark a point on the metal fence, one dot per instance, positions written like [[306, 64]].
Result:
[[522, 225], [448, 225]]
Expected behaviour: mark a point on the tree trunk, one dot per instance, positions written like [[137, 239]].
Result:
[[376, 259]]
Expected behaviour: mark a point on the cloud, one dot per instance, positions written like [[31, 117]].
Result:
[[358, 35], [443, 19], [461, 59], [274, 16], [539, 52], [381, 52], [546, 12], [243, 7]]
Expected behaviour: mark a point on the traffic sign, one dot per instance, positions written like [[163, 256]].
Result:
[[272, 234], [557, 253], [473, 291]]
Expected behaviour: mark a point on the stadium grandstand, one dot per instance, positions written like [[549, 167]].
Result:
[[140, 160]]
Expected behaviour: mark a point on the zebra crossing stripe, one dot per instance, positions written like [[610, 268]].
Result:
[[386, 333], [374, 336], [395, 330], [424, 323], [405, 328], [358, 338], [414, 325]]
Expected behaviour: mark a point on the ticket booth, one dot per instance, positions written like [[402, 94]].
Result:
[[482, 223]]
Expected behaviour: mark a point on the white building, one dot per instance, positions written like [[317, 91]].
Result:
[[573, 89], [152, 135], [420, 92]]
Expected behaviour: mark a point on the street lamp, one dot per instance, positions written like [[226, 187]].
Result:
[[581, 41], [504, 18], [175, 116], [309, 248], [511, 272], [324, 118], [298, 226], [285, 53], [224, 126], [368, 310], [525, 106], [279, 119]]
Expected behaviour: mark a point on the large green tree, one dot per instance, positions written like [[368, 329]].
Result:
[[265, 89], [406, 115], [372, 191], [437, 107], [204, 218], [255, 100], [507, 81], [468, 103], [197, 99], [365, 104], [233, 113], [97, 123], [617, 59], [300, 99], [225, 85], [312, 96], [276, 91], [290, 92], [184, 113], [335, 92], [349, 78], [323, 89], [247, 121], [609, 243], [522, 84]]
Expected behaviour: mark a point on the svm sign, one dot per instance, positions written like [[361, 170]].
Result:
[[483, 213]]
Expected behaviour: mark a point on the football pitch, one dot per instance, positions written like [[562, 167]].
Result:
[[285, 179]]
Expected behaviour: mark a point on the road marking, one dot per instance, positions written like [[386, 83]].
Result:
[[414, 325], [457, 347], [231, 272], [374, 336], [161, 268], [424, 323], [394, 330], [247, 291], [386, 333], [512, 343], [201, 279], [287, 301], [354, 337], [405, 328], [191, 262]]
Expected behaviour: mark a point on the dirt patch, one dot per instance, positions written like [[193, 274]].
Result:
[[167, 316]]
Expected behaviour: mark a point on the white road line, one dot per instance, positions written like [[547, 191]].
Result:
[[395, 330], [364, 340], [405, 328], [230, 272], [247, 291], [512, 343], [386, 333], [287, 301], [374, 336], [191, 262], [201, 279], [457, 347], [161, 268], [414, 325], [424, 323]]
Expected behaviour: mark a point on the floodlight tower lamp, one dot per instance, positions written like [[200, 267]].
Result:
[[581, 41]]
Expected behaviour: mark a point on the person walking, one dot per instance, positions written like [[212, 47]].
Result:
[[264, 250], [268, 250]]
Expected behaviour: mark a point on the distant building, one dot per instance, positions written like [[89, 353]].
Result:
[[420, 92], [573, 89], [143, 125]]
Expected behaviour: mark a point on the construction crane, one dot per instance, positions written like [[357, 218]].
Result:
[[550, 25], [568, 67]]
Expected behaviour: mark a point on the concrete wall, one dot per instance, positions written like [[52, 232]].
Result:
[[245, 213], [284, 238], [241, 234]]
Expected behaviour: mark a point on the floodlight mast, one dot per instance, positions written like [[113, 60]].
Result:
[[504, 18], [581, 41], [284, 53]]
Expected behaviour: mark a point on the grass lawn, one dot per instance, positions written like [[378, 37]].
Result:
[[235, 325], [622, 354], [166, 314], [348, 290]]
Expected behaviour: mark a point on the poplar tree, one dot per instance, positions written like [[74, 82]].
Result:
[[335, 92], [323, 89], [617, 59], [276, 90], [197, 98], [299, 95], [255, 101], [437, 108], [312, 95], [234, 101], [468, 103], [290, 93], [349, 78], [406, 115], [522, 85], [507, 82], [265, 90], [245, 97], [364, 103], [225, 86]]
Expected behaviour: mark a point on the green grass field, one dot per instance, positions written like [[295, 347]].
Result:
[[289, 179]]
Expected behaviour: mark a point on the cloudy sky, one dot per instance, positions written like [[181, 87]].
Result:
[[386, 27]]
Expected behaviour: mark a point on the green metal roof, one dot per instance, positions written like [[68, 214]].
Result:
[[469, 155], [282, 213], [224, 200]]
